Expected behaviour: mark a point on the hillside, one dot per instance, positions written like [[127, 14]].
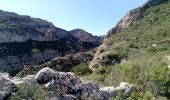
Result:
[[31, 41], [132, 63], [137, 51]]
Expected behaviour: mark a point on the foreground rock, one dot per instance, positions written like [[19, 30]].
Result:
[[6, 87], [27, 79], [67, 85], [124, 88]]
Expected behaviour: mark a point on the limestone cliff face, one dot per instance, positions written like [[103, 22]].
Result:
[[128, 20], [31, 41], [98, 57], [132, 16]]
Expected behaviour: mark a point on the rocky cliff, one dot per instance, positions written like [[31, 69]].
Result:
[[30, 41]]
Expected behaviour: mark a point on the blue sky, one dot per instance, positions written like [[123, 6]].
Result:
[[94, 16]]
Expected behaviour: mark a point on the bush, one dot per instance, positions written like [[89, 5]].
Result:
[[114, 57], [81, 69], [159, 79], [99, 74], [28, 92], [2, 71]]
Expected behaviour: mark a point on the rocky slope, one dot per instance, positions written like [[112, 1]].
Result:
[[137, 51], [31, 41], [129, 20], [65, 63]]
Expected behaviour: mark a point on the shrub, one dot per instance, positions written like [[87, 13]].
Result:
[[29, 92], [130, 72], [102, 70], [81, 69], [114, 57], [131, 45], [35, 50], [99, 74], [2, 71], [159, 79]]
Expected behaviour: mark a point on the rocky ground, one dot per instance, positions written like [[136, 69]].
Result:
[[63, 86]]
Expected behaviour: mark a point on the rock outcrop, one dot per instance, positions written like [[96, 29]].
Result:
[[67, 85], [124, 87], [132, 16], [98, 57], [64, 64], [6, 86]]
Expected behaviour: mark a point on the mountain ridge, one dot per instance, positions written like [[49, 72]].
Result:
[[30, 41]]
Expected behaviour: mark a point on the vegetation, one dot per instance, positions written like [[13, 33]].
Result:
[[145, 46], [29, 92], [81, 69], [2, 71]]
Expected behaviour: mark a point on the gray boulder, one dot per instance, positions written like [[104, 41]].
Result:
[[66, 85], [6, 87], [53, 96], [124, 88]]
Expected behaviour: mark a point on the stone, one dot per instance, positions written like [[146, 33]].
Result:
[[5, 75], [6, 88], [67, 85], [125, 88]]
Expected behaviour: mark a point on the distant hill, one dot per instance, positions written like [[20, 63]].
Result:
[[84, 36]]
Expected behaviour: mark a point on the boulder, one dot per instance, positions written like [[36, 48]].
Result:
[[62, 85], [124, 88], [6, 87], [27, 79], [5, 75], [53, 96]]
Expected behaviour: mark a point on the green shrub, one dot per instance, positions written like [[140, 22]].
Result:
[[99, 74], [29, 92], [130, 72], [132, 45], [81, 69], [2, 71], [159, 79], [114, 56]]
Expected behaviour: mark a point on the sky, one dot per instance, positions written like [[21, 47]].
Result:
[[94, 16]]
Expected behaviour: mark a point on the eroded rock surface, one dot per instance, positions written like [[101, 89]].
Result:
[[61, 84], [6, 87]]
